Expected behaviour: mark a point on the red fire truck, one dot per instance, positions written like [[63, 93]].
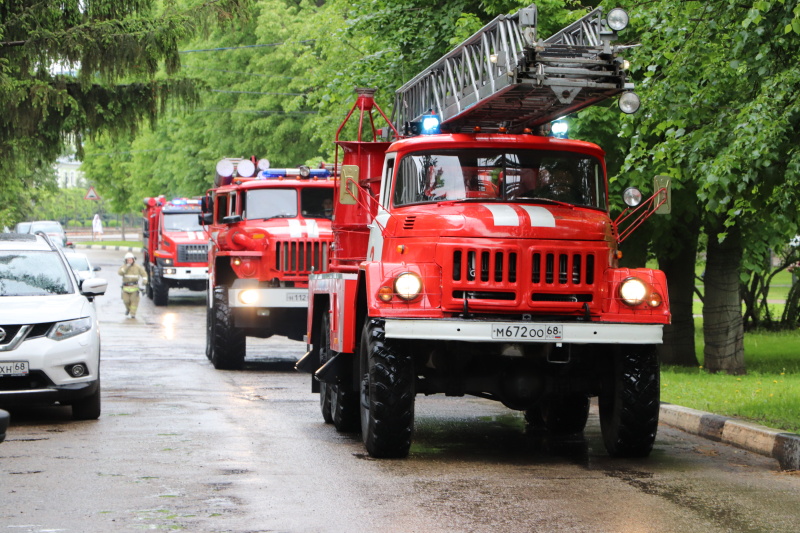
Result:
[[475, 255], [175, 247], [269, 229]]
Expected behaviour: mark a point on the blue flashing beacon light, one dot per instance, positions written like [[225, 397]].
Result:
[[430, 124]]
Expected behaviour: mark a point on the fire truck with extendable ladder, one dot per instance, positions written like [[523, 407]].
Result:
[[269, 228], [175, 247], [480, 259]]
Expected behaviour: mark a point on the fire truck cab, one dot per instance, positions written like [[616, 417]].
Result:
[[269, 229], [475, 255], [175, 247]]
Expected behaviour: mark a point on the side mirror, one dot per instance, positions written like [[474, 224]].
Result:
[[348, 185], [206, 218], [94, 287], [96, 269], [232, 219], [206, 205], [664, 197]]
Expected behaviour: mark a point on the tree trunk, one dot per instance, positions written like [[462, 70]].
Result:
[[722, 310], [678, 265]]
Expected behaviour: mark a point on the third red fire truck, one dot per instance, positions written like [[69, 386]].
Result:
[[474, 254], [269, 228]]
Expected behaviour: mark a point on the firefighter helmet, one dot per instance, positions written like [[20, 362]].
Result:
[[129, 255]]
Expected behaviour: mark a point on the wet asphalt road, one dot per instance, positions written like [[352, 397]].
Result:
[[181, 446]]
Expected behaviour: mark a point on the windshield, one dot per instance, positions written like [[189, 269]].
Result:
[[47, 228], [270, 203], [507, 175], [182, 222], [33, 274], [78, 262], [317, 202]]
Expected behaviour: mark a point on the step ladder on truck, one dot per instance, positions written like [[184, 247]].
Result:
[[473, 254]]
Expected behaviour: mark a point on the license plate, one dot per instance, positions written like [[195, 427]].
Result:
[[14, 368], [297, 297], [528, 332]]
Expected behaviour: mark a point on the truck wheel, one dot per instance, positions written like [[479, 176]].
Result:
[[160, 289], [229, 342], [629, 402], [560, 415], [209, 332], [342, 401], [387, 394], [148, 288], [323, 345], [87, 408]]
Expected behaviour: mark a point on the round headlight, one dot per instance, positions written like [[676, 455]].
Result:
[[632, 196], [248, 297], [304, 171], [629, 103], [407, 285], [633, 291], [617, 19], [246, 168], [263, 164]]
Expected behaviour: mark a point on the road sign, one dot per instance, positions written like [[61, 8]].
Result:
[[91, 194]]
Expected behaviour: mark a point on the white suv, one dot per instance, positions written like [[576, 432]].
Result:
[[49, 339]]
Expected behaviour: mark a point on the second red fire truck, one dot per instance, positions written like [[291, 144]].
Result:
[[269, 228], [475, 255], [175, 247]]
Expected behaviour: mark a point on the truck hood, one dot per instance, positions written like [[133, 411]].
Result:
[[295, 228], [502, 220], [187, 237]]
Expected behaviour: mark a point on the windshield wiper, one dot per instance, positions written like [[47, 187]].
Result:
[[541, 201]]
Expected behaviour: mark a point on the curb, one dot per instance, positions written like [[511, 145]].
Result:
[[782, 446]]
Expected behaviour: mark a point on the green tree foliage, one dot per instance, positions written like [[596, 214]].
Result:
[[718, 82], [71, 68]]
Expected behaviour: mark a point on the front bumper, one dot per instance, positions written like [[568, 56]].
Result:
[[277, 297], [184, 273], [48, 380], [499, 331]]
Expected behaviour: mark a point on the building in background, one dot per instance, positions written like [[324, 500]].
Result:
[[68, 172]]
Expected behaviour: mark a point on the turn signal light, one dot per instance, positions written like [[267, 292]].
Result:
[[385, 293]]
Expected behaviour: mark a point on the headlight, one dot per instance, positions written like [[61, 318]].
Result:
[[617, 19], [248, 297], [407, 285], [70, 328], [633, 291], [629, 103]]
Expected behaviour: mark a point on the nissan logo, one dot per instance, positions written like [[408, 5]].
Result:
[[2, 334]]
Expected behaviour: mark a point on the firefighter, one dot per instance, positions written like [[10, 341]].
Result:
[[131, 274]]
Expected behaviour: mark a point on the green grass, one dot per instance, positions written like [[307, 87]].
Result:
[[768, 394]]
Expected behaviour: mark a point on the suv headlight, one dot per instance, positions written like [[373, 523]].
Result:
[[407, 285], [70, 328]]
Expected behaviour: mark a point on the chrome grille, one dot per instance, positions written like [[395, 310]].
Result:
[[301, 257]]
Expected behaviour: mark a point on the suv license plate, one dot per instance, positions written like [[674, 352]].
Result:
[[14, 368], [530, 332]]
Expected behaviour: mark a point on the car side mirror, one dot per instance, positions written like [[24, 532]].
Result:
[[206, 218], [94, 287], [206, 206]]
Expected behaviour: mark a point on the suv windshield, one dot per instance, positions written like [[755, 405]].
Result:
[[182, 222], [31, 273], [500, 175]]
